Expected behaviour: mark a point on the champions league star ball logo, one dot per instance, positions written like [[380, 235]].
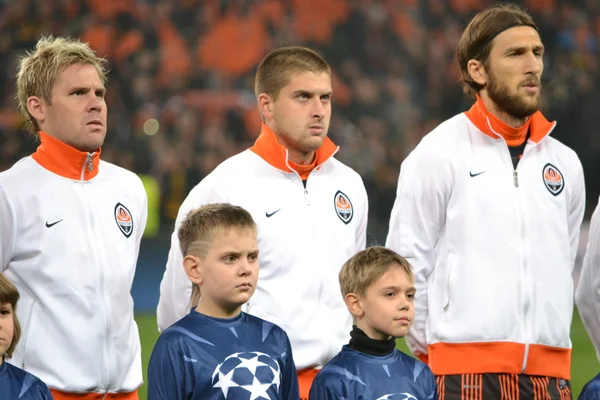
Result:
[[250, 372], [398, 396]]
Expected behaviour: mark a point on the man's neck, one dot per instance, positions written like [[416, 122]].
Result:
[[300, 158], [295, 156], [502, 115]]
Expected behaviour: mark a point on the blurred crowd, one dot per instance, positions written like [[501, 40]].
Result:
[[181, 96]]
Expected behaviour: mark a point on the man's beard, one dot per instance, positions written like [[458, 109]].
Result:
[[512, 103]]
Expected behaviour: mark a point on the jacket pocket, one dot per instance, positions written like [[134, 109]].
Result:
[[448, 283], [27, 332]]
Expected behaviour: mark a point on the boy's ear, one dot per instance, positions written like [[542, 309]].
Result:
[[353, 303], [191, 264]]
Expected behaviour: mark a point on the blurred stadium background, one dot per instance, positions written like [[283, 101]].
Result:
[[181, 97]]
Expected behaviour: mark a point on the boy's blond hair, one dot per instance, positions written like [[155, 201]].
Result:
[[276, 69], [39, 69], [10, 295], [202, 224], [367, 266]]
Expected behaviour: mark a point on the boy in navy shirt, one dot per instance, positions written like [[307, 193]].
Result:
[[15, 383], [591, 390], [217, 351], [378, 288]]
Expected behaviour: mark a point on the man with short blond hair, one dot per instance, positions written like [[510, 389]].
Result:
[[71, 230]]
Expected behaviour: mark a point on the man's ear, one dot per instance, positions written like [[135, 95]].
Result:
[[353, 303], [192, 266], [265, 106], [37, 108], [477, 72]]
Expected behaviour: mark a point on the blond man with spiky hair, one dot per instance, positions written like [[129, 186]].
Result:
[[71, 230], [311, 211]]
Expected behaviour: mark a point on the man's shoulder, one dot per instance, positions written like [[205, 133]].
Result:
[[14, 174], [116, 171], [340, 169], [561, 150], [443, 142]]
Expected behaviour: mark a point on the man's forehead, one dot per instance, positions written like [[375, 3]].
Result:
[[518, 36], [310, 81], [80, 75]]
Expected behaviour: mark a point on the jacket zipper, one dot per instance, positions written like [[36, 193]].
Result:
[[107, 353], [26, 330], [527, 302], [306, 198]]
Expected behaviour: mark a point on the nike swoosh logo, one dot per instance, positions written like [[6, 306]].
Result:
[[52, 224], [271, 214], [473, 175]]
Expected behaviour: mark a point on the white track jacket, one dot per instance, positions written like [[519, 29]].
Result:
[[492, 247], [69, 240], [304, 238]]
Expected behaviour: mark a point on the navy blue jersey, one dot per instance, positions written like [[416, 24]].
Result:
[[18, 384], [354, 375], [242, 358], [591, 390]]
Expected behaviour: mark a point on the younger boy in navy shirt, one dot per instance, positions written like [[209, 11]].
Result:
[[378, 288]]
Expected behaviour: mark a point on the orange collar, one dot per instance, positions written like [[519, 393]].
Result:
[[64, 160], [539, 126], [270, 150]]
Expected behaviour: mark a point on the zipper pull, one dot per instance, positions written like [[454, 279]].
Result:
[[516, 178], [306, 196], [89, 163]]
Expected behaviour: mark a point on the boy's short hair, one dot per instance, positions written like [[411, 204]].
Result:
[[39, 69], [367, 266], [275, 70], [10, 295], [200, 226]]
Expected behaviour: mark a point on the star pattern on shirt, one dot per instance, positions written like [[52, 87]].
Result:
[[225, 378]]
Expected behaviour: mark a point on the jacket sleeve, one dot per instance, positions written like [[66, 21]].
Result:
[[168, 377], [175, 287], [289, 382], [7, 230], [587, 296], [320, 391], [361, 234], [417, 218], [576, 211], [144, 216]]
